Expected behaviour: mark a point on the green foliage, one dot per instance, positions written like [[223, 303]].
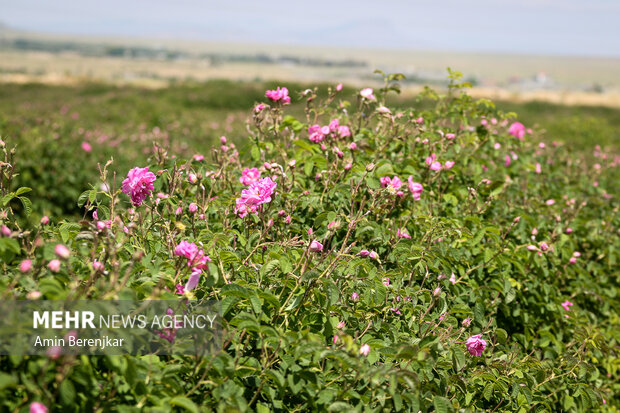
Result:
[[298, 322]]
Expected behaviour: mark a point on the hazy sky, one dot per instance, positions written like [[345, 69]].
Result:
[[558, 27]]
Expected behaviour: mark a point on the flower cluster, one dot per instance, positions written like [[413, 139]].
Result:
[[257, 193], [435, 165], [318, 133]]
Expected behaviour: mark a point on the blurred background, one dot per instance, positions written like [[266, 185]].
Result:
[[565, 51]]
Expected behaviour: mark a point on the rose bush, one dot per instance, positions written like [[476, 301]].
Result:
[[412, 261]]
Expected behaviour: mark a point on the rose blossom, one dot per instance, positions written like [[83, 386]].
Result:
[[138, 184], [367, 94], [249, 175], [476, 345], [316, 246], [256, 194], [195, 256], [278, 95], [54, 265], [392, 184], [364, 350], [415, 188], [86, 147], [62, 251], [37, 407], [517, 130], [25, 266]]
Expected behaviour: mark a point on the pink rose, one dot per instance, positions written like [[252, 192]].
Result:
[[476, 345], [249, 175], [517, 130], [415, 188], [316, 246], [62, 251], [98, 266], [54, 265], [138, 184], [278, 95], [25, 266], [256, 194], [195, 256], [37, 407], [365, 350], [316, 135], [367, 94], [392, 184]]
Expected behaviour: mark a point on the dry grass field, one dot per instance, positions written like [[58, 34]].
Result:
[[566, 80]]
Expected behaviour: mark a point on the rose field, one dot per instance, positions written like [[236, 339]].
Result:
[[369, 251]]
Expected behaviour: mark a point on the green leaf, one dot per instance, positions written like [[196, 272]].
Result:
[[9, 244], [22, 190], [256, 304], [67, 392], [255, 152], [441, 404], [7, 198], [267, 268], [488, 391], [502, 335], [27, 203], [458, 359], [65, 228], [185, 403], [261, 408], [6, 380]]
